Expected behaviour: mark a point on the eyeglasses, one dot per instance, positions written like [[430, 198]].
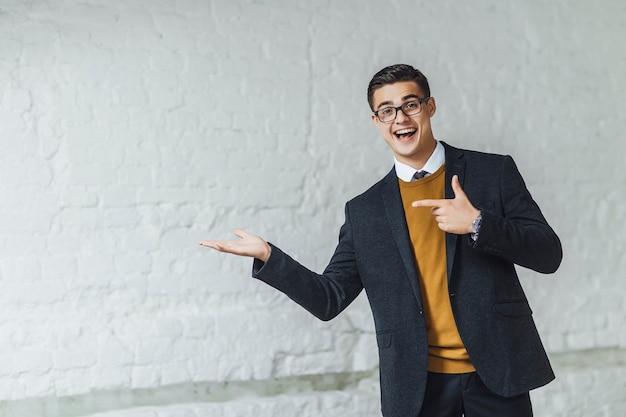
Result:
[[410, 108]]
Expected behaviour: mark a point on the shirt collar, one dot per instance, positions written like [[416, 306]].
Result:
[[436, 159]]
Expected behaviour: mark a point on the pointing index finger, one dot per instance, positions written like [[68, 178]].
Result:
[[427, 203]]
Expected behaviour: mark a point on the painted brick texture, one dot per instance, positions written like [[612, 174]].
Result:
[[130, 130]]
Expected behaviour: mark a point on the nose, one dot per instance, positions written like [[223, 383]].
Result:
[[400, 116]]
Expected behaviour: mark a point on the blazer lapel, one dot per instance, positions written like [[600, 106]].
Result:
[[455, 165], [395, 214]]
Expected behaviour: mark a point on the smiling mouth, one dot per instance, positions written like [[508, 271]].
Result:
[[404, 134]]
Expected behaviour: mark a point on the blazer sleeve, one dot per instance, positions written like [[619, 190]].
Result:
[[522, 235], [323, 295]]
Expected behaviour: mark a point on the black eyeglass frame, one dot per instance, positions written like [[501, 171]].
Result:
[[401, 108]]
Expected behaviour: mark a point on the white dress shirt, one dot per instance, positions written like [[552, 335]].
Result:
[[436, 159]]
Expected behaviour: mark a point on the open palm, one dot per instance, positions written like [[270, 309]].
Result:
[[248, 245]]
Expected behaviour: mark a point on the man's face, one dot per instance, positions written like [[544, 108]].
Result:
[[409, 137]]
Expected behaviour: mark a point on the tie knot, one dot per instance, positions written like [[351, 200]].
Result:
[[420, 174]]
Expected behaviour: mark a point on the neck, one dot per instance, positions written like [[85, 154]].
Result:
[[418, 161]]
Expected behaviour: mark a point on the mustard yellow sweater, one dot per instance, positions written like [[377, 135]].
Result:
[[446, 352]]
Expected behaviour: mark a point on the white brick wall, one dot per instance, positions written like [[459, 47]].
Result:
[[130, 130]]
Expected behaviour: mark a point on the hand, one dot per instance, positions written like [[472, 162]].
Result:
[[452, 215], [249, 245]]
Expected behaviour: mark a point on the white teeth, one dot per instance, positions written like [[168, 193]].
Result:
[[404, 131]]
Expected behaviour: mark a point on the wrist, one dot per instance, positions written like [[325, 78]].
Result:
[[268, 252], [476, 224]]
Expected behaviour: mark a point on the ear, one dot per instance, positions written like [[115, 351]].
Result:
[[432, 107], [374, 120]]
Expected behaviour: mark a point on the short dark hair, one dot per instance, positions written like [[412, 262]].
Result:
[[393, 74]]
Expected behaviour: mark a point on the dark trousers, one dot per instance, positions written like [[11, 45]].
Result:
[[457, 395]]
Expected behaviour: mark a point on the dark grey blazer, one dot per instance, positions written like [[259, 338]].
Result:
[[490, 308]]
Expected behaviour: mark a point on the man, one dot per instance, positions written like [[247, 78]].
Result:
[[434, 244]]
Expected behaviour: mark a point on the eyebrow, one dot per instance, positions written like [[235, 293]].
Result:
[[389, 102]]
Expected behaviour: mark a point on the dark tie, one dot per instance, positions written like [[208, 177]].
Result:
[[419, 174]]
